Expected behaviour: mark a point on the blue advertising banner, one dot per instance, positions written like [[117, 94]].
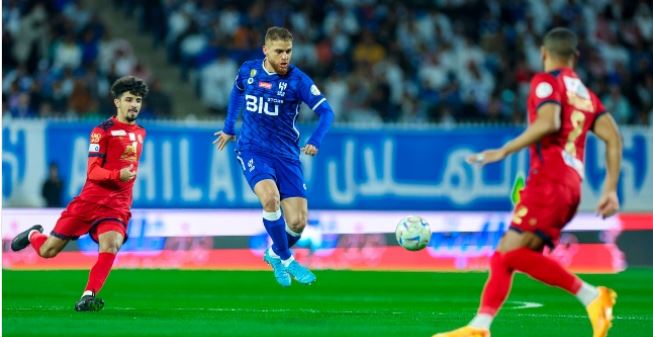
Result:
[[383, 168]]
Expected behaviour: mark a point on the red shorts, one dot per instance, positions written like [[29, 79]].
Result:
[[81, 217], [545, 207]]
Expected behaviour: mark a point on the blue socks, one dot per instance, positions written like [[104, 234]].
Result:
[[275, 225], [293, 237]]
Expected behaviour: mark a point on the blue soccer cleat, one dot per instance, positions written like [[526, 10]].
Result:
[[280, 273], [301, 273]]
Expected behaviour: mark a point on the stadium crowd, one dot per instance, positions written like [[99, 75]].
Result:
[[59, 59], [443, 61]]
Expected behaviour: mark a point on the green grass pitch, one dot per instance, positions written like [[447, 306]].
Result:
[[341, 303]]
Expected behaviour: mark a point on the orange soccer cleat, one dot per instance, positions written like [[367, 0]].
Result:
[[600, 311], [466, 331]]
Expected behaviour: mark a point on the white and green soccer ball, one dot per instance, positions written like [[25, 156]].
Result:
[[413, 233]]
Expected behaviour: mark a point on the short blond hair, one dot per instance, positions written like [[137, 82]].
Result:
[[275, 33]]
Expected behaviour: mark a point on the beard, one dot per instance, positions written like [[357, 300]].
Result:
[[131, 116], [278, 69]]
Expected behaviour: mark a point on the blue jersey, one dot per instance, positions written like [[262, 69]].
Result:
[[270, 104]]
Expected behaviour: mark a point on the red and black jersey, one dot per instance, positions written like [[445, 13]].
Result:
[[113, 146], [560, 156]]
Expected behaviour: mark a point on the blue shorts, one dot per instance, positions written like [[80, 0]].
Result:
[[288, 174]]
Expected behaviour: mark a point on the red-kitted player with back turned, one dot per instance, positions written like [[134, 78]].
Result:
[[561, 111], [102, 209]]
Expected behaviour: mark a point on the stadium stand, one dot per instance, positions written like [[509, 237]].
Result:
[[446, 61]]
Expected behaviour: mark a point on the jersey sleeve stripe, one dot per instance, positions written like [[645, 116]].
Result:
[[318, 104], [101, 155], [547, 101]]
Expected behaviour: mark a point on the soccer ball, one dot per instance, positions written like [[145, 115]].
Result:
[[413, 233]]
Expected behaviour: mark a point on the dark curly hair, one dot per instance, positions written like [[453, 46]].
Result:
[[132, 84]]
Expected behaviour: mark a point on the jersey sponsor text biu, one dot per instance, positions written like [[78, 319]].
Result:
[[270, 107]]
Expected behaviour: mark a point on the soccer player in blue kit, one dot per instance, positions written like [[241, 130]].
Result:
[[270, 91]]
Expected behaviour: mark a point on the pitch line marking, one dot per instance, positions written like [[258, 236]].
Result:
[[519, 305], [316, 311]]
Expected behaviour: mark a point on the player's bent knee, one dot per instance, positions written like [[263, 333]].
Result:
[[111, 246], [296, 227], [48, 252], [113, 249], [110, 242], [270, 203], [299, 227], [297, 223]]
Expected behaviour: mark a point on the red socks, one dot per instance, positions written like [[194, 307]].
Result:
[[535, 264], [497, 286], [100, 271], [543, 269], [36, 240]]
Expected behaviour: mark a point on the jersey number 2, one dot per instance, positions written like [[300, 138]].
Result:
[[577, 123]]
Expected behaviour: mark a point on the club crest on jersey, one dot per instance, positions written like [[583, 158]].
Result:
[[95, 137], [266, 85], [282, 86], [252, 73], [130, 153], [543, 90], [314, 90]]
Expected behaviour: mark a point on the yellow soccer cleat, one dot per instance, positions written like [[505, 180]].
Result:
[[466, 331], [600, 311]]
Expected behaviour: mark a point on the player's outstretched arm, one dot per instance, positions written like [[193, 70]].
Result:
[[606, 129], [547, 121], [236, 101], [326, 119]]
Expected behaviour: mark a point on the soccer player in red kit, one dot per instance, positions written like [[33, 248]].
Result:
[[102, 209], [561, 111]]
